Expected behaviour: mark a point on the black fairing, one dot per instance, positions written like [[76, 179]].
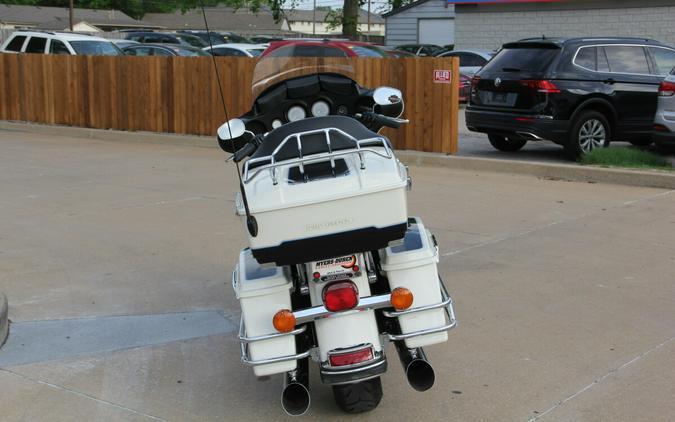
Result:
[[344, 96]]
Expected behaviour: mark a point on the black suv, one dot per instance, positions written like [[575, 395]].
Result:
[[580, 93]]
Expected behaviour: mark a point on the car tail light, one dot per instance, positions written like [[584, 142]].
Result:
[[544, 86], [666, 89], [284, 321], [660, 128], [340, 296], [350, 358]]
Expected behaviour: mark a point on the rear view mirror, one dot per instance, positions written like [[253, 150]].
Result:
[[388, 101], [233, 135], [385, 96], [231, 129]]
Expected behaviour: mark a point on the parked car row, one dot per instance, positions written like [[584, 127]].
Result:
[[58, 43], [581, 93]]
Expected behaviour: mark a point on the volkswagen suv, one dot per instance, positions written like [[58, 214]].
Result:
[[581, 93]]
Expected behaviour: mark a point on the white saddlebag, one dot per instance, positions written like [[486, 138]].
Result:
[[411, 263], [262, 291]]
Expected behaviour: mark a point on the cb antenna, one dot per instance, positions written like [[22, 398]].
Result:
[[251, 222]]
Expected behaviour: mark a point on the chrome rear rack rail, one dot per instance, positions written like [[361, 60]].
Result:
[[271, 163]]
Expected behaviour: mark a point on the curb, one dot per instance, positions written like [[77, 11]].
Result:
[[4, 321], [570, 172], [111, 135]]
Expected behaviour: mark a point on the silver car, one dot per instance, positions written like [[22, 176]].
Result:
[[664, 122], [470, 61]]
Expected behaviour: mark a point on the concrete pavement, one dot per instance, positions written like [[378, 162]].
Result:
[[563, 290]]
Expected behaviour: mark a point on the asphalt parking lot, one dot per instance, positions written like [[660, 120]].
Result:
[[116, 259]]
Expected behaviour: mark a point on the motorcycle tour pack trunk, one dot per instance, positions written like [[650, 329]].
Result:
[[304, 216]]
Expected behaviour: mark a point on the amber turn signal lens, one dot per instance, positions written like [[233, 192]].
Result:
[[401, 298], [284, 321]]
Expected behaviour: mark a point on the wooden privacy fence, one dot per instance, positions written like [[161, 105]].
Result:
[[180, 94]]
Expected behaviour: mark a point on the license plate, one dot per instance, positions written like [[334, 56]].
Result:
[[336, 268], [498, 97]]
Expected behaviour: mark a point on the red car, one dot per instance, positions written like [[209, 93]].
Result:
[[464, 88], [323, 48]]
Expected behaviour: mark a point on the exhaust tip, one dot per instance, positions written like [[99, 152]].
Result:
[[421, 375], [295, 399]]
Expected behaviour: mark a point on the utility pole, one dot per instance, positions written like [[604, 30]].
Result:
[[314, 20], [70, 15], [368, 33]]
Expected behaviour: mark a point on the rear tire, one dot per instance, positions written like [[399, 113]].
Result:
[[358, 397], [506, 144], [590, 130]]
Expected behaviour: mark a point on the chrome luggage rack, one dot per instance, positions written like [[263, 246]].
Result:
[[304, 316], [273, 165]]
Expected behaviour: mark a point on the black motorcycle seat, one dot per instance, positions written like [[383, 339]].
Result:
[[314, 143]]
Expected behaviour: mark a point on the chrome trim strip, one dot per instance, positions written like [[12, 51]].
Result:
[[394, 314], [365, 303], [244, 341], [362, 368], [377, 360], [449, 311], [295, 332]]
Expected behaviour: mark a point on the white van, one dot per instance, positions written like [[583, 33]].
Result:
[[58, 43]]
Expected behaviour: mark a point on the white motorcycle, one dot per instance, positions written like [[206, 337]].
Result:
[[335, 267]]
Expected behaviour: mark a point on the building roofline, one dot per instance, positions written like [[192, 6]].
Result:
[[404, 8]]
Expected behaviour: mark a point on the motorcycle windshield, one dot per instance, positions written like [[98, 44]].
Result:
[[273, 69]]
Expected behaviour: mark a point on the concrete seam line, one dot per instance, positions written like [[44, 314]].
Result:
[[4, 319], [601, 379], [81, 394]]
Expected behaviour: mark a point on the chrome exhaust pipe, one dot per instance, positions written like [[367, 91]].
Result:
[[418, 370], [295, 394]]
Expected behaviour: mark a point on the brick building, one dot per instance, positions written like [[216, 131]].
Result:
[[488, 26]]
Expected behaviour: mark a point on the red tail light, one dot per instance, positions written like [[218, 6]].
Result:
[[666, 89], [340, 296], [351, 358], [544, 86]]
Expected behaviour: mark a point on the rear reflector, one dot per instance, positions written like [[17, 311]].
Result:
[[666, 89], [340, 296], [544, 86], [660, 128], [351, 358]]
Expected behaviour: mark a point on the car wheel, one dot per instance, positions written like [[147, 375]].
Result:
[[641, 142], [506, 144], [590, 130]]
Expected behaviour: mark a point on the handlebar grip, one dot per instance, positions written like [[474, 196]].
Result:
[[383, 120], [245, 151]]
